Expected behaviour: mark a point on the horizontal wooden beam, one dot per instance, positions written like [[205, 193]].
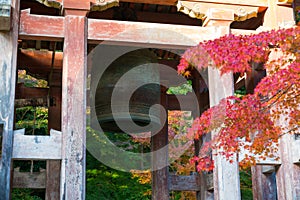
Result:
[[147, 34], [153, 17], [184, 183], [34, 180], [34, 147], [37, 27], [41, 27], [31, 102], [23, 92]]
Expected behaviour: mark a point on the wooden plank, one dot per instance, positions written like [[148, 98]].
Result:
[[147, 34], [41, 27], [184, 183], [159, 150], [31, 102], [53, 179], [138, 33], [37, 147], [23, 92], [74, 108], [5, 11], [34, 180], [8, 61]]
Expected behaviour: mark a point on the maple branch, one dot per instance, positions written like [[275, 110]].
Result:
[[278, 97], [289, 131]]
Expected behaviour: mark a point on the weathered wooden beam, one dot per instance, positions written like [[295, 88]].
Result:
[[54, 122], [29, 147], [35, 180], [266, 161], [74, 105], [159, 162], [23, 92], [226, 175], [8, 61], [41, 27], [184, 183], [147, 34], [5, 10], [154, 17], [43, 101], [119, 32]]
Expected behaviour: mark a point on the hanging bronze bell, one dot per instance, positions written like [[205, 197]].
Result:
[[126, 69]]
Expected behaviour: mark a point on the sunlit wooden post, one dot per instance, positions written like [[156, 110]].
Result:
[[226, 175], [74, 100], [8, 60]]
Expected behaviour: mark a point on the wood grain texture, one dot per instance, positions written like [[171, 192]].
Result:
[[159, 149], [147, 34], [74, 108], [35, 180], [54, 122], [226, 175], [120, 32], [8, 61], [41, 27], [288, 173], [184, 183], [37, 147]]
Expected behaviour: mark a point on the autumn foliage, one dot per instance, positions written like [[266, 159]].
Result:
[[250, 123]]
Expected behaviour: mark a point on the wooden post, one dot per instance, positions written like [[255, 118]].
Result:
[[226, 175], [160, 177], [74, 100], [54, 122], [288, 173], [8, 60], [203, 101]]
